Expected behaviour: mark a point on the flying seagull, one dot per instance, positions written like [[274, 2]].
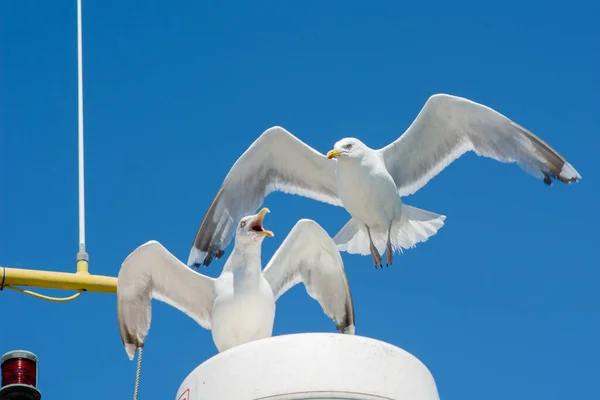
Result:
[[239, 305], [367, 182]]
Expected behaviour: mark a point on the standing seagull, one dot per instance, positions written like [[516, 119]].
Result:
[[368, 182], [239, 306]]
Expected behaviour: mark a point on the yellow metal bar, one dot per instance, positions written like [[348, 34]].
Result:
[[82, 267], [81, 280]]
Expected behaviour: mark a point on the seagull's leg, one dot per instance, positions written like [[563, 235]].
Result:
[[388, 248], [374, 251]]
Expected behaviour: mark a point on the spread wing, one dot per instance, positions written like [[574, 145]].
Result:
[[276, 161], [449, 126], [309, 255], [151, 271]]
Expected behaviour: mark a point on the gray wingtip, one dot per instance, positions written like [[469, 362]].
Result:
[[195, 258], [130, 349], [569, 174], [349, 330]]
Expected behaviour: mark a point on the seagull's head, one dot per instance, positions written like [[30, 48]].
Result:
[[250, 229], [347, 148]]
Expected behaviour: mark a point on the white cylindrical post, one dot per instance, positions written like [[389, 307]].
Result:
[[82, 254], [311, 366]]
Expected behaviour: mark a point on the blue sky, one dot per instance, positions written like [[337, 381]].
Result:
[[501, 303]]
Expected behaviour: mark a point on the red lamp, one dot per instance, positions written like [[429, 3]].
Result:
[[19, 376]]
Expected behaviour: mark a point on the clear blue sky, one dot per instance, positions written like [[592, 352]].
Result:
[[502, 303]]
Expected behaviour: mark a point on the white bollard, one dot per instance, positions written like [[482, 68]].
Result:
[[311, 366]]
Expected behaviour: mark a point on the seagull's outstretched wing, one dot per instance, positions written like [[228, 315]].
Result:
[[309, 255], [151, 271], [276, 161], [449, 126]]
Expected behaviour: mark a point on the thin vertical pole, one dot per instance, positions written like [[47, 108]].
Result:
[[82, 257]]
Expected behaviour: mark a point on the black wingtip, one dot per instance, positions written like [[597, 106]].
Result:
[[550, 177], [547, 179], [210, 256], [207, 260]]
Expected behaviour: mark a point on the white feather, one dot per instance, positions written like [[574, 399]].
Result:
[[367, 182], [238, 306], [309, 255], [415, 226], [151, 271], [276, 161], [449, 126]]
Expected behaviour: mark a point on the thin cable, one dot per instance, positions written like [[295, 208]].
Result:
[[44, 297], [137, 373], [80, 133]]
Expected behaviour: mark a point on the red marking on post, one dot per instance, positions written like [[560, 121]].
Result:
[[185, 395]]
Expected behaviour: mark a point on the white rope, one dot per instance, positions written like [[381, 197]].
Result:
[[137, 373], [82, 252]]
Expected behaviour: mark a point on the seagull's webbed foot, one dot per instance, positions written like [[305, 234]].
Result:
[[376, 256], [388, 254], [374, 252]]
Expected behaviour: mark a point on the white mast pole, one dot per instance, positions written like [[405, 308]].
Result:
[[82, 256]]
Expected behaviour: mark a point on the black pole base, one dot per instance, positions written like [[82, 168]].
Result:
[[19, 392]]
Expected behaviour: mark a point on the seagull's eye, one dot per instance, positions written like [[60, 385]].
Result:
[[348, 146], [242, 224]]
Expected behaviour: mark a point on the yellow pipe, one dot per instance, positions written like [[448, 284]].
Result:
[[43, 296], [81, 280], [82, 267]]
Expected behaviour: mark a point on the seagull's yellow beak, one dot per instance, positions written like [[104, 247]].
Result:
[[333, 154], [257, 223]]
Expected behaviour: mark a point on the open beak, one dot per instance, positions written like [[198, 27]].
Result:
[[257, 223], [333, 154]]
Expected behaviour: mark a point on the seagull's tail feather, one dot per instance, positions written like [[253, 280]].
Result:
[[352, 239], [415, 226]]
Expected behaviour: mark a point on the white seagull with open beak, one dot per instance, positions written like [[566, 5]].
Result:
[[239, 305]]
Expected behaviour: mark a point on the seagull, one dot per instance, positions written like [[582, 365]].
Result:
[[239, 305], [369, 183]]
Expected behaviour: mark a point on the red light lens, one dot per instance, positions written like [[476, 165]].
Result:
[[19, 371]]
